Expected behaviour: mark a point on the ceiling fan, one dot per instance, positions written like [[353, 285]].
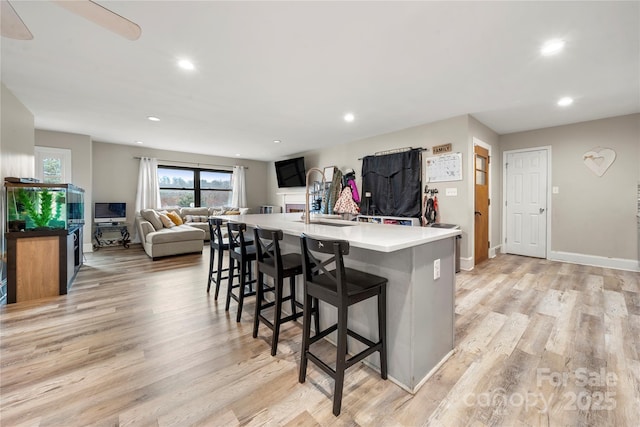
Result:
[[13, 27]]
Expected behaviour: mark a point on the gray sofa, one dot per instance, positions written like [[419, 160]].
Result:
[[160, 239]]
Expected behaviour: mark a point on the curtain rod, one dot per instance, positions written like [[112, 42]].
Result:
[[396, 150], [196, 164]]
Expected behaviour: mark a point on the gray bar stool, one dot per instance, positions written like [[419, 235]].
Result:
[[340, 287]]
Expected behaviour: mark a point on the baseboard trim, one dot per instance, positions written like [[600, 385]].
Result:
[[494, 251], [594, 260], [466, 264]]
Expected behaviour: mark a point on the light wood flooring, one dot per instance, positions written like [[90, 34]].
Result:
[[138, 342]]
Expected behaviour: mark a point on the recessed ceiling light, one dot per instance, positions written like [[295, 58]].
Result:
[[565, 102], [349, 117], [552, 47], [276, 141], [237, 154], [138, 142], [153, 119], [185, 64]]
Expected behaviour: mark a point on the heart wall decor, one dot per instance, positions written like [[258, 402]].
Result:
[[599, 160]]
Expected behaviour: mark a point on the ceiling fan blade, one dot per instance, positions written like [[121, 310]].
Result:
[[11, 24], [103, 17]]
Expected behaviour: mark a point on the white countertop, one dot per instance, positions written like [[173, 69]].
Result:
[[376, 237]]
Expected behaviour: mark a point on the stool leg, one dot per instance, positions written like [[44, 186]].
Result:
[[277, 314], [292, 293], [259, 298], [230, 285], [316, 315], [219, 272], [243, 284], [306, 332], [211, 254], [382, 330], [341, 355]]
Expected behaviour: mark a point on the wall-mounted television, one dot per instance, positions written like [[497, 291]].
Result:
[[110, 212], [291, 172]]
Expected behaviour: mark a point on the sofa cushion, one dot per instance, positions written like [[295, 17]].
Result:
[[194, 211], [152, 216], [179, 233]]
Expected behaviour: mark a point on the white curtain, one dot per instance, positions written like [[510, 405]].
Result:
[[239, 193], [148, 196]]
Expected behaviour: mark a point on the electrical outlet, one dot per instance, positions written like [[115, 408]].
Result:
[[555, 190], [436, 269]]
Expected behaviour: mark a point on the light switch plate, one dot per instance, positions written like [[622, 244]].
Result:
[[451, 191], [555, 190]]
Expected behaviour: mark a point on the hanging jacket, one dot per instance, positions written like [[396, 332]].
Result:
[[354, 190], [345, 203]]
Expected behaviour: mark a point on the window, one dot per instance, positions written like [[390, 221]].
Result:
[[191, 187], [53, 165]]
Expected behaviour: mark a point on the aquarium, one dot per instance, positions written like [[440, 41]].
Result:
[[36, 206]]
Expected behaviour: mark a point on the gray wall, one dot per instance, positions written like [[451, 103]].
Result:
[[115, 172], [590, 215], [456, 130], [488, 136], [80, 146], [16, 153]]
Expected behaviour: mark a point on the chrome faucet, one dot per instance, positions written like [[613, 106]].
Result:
[[307, 211]]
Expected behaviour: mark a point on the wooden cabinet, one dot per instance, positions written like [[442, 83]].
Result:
[[42, 264]]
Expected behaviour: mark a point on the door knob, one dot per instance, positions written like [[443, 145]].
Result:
[[541, 210], [478, 213]]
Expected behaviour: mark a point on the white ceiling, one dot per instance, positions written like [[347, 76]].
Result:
[[291, 70]]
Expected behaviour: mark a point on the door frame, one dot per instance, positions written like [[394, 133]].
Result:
[[476, 141], [547, 148]]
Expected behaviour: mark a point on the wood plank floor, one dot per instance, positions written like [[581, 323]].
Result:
[[137, 342]]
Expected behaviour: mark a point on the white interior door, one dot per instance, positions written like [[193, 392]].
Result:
[[526, 203]]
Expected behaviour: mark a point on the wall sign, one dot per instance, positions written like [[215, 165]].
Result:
[[440, 149]]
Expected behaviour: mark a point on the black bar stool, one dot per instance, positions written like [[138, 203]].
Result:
[[244, 253], [340, 287], [272, 262], [218, 246]]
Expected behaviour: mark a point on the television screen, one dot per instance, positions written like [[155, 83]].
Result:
[[110, 212], [291, 173]]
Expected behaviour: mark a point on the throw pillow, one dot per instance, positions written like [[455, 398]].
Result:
[[152, 216], [175, 218], [166, 221], [232, 213]]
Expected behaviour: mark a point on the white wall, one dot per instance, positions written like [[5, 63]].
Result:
[[115, 172], [591, 215], [454, 210], [16, 153], [488, 136], [16, 137], [81, 161]]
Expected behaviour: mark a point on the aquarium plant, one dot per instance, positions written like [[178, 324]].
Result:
[[38, 206]]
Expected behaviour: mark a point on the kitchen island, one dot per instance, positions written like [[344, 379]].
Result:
[[420, 308]]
